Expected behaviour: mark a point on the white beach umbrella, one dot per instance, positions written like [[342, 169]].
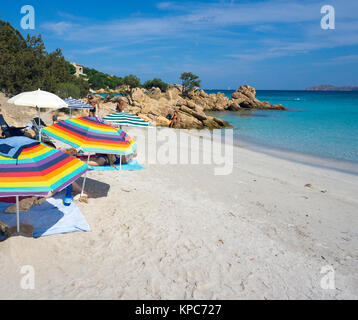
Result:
[[38, 99]]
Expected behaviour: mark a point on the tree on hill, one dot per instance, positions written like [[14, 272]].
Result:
[[189, 81], [132, 81], [156, 83]]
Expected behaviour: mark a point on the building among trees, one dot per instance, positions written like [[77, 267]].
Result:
[[79, 70]]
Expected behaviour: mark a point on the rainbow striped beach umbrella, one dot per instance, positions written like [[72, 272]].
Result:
[[36, 170], [92, 135]]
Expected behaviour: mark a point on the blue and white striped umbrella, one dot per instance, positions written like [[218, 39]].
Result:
[[126, 120], [77, 104]]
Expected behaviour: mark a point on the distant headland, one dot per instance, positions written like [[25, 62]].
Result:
[[327, 87]]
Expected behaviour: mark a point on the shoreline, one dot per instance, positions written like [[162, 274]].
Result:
[[344, 166]]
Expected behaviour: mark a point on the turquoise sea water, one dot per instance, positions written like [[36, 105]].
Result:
[[322, 124]]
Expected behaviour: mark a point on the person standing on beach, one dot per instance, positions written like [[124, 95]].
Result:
[[120, 105], [174, 120], [93, 101]]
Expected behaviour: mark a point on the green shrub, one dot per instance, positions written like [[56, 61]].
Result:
[[189, 81], [156, 83], [132, 81]]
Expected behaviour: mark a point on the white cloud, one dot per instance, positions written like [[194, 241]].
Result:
[[254, 56], [59, 28], [215, 20], [94, 50], [197, 17], [341, 60], [346, 59]]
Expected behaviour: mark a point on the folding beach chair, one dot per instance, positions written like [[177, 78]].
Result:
[[9, 131], [37, 125], [39, 122]]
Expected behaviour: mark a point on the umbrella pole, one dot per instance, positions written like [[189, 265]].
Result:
[[17, 214], [39, 123], [84, 180], [120, 162]]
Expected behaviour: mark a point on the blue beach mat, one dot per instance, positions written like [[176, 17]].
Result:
[[131, 166], [49, 218]]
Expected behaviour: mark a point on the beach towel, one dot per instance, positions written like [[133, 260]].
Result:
[[49, 218], [12, 147], [131, 166]]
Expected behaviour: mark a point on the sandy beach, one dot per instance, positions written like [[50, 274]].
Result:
[[180, 232], [198, 151]]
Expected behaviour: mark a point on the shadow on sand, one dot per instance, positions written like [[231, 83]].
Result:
[[95, 188]]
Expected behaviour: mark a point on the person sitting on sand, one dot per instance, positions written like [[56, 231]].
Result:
[[93, 101], [102, 160], [98, 160], [120, 105]]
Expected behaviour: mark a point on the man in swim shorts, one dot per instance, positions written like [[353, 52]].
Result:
[[93, 101]]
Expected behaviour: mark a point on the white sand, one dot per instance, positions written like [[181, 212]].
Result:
[[180, 232]]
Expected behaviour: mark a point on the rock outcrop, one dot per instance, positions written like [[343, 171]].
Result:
[[245, 98], [154, 105]]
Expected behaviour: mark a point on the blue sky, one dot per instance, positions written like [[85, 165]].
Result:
[[277, 44]]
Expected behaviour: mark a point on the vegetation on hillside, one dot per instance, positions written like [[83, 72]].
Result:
[[25, 65], [98, 80]]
